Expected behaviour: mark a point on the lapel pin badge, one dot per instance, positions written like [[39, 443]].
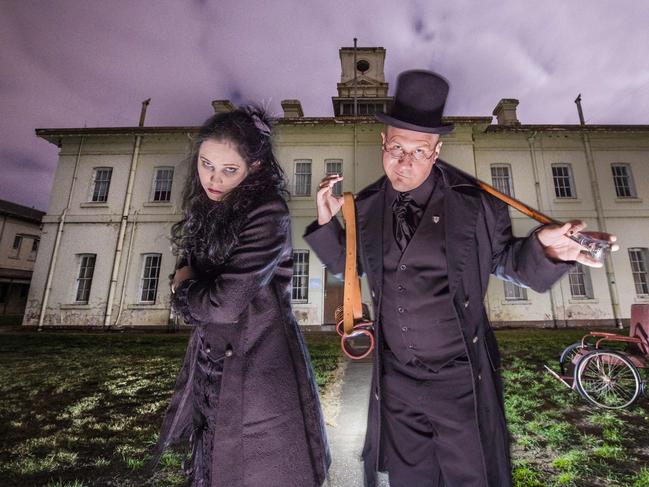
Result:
[[435, 219]]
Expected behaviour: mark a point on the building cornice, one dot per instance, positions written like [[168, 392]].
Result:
[[54, 134], [567, 128]]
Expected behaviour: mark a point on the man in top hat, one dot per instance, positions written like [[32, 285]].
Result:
[[428, 238]]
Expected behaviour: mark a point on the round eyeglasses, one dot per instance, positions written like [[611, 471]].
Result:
[[397, 152]]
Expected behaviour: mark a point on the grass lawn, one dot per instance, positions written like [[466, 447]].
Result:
[[558, 439], [82, 410]]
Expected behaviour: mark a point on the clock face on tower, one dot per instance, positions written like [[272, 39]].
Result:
[[362, 66]]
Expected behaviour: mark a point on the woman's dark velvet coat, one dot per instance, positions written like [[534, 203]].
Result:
[[479, 242], [269, 427]]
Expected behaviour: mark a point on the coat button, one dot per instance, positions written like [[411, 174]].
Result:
[[466, 303], [403, 267], [404, 328], [479, 376], [401, 288], [228, 352], [475, 339], [208, 349], [373, 295], [400, 309], [411, 347]]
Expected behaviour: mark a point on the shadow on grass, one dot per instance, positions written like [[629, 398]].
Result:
[[83, 409], [80, 410]]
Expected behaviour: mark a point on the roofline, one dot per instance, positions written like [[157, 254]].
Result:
[[52, 133], [74, 131], [567, 128], [21, 212]]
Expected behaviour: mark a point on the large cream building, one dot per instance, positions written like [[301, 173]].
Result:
[[105, 254]]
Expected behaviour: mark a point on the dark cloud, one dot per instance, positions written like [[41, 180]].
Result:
[[422, 30], [26, 178], [25, 161], [73, 63]]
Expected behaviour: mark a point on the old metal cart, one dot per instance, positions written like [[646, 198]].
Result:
[[606, 368]]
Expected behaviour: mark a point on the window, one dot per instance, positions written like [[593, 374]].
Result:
[[101, 184], [300, 275], [362, 109], [623, 180], [514, 292], [366, 108], [501, 178], [302, 177], [15, 247], [84, 281], [162, 183], [638, 257], [564, 186], [34, 251], [150, 274], [580, 284], [4, 291], [335, 166]]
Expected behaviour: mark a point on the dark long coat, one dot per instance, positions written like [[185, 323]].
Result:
[[479, 242], [268, 427]]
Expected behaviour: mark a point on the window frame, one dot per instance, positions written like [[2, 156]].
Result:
[[640, 276], [154, 184], [629, 180], [519, 292], [510, 179], [571, 181], [16, 246], [33, 251], [338, 187], [94, 193], [307, 175], [147, 279], [300, 280], [83, 258], [581, 273]]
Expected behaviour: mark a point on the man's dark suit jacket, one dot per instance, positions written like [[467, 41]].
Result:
[[479, 242]]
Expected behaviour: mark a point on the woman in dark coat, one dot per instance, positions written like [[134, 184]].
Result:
[[245, 398]]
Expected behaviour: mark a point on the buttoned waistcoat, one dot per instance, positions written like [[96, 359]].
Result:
[[479, 242]]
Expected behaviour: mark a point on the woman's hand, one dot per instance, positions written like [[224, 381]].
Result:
[[182, 274], [559, 246], [328, 204]]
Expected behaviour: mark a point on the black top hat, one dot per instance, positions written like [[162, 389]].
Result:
[[419, 103]]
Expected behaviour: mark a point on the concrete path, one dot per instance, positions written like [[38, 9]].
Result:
[[347, 436]]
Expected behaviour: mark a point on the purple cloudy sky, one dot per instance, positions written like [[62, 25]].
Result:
[[75, 63]]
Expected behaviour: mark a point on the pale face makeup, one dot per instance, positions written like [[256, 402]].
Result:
[[220, 168]]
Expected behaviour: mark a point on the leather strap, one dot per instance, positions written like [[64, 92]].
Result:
[[352, 308]]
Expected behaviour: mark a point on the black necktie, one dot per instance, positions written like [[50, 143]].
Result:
[[406, 217]]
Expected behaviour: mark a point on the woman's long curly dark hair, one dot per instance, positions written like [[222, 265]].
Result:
[[209, 230]]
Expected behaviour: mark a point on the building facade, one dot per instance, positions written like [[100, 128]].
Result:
[[105, 253], [20, 230]]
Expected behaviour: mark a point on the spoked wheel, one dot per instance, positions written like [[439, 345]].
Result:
[[565, 361], [607, 379]]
